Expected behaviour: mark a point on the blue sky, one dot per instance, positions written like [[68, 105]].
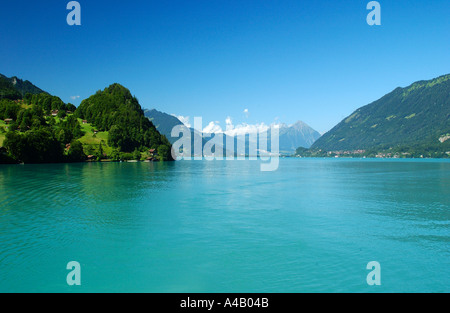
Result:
[[282, 60]]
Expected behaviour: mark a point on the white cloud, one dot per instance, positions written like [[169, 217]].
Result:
[[213, 128], [244, 128], [229, 123], [230, 129], [184, 120], [235, 130], [74, 97]]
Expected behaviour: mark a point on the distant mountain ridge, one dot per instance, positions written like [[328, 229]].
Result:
[[15, 88], [291, 137], [417, 115], [297, 135], [163, 122]]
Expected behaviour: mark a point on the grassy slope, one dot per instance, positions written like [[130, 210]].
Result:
[[92, 142], [89, 140]]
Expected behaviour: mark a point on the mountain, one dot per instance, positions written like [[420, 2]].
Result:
[[291, 137], [415, 116], [14, 88], [297, 135], [163, 122]]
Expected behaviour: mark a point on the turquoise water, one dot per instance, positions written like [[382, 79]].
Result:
[[224, 226]]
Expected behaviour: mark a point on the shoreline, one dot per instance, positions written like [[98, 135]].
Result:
[[203, 159]]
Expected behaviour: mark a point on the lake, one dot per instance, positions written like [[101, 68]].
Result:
[[224, 226]]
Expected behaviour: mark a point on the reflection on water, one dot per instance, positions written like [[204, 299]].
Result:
[[224, 226]]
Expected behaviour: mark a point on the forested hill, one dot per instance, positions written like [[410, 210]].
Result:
[[14, 88], [108, 126], [116, 111], [417, 116]]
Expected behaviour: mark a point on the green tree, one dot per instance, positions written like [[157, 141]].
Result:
[[164, 153], [37, 146], [136, 155], [76, 153], [62, 114], [71, 107]]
